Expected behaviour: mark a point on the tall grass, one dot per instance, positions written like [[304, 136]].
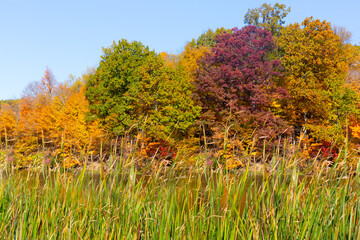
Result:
[[181, 204]]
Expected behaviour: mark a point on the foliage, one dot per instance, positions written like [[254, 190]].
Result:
[[132, 87], [48, 83], [198, 48], [316, 67], [152, 150], [170, 60], [77, 134], [208, 38], [52, 119], [190, 59], [8, 125], [325, 150], [269, 17], [226, 98], [238, 82]]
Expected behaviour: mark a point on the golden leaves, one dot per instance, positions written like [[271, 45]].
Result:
[[190, 58]]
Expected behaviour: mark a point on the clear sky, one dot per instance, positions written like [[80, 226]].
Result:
[[68, 35]]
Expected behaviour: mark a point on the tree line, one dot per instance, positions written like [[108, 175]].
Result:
[[232, 92]]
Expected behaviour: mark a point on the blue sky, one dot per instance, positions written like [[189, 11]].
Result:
[[68, 36]]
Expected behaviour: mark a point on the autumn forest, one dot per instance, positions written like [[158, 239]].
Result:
[[247, 133], [232, 92]]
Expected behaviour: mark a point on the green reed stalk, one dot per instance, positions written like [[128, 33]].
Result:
[[181, 204]]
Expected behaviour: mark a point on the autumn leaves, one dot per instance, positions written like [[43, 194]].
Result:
[[51, 122], [134, 90], [236, 88]]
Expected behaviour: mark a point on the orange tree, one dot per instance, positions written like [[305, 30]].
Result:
[[75, 135], [52, 122], [8, 124], [316, 65], [38, 116]]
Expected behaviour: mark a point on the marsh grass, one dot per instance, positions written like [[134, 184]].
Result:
[[171, 203]]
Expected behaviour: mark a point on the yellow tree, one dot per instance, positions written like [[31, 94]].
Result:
[[28, 137], [47, 111], [52, 121], [198, 48], [190, 58], [316, 65], [38, 116], [8, 124], [171, 60], [78, 136]]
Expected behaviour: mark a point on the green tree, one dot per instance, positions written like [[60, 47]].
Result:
[[207, 39], [175, 111], [133, 87], [269, 17]]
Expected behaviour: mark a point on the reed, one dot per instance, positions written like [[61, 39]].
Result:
[[169, 203]]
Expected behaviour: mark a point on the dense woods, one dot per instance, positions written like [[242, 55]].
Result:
[[231, 95]]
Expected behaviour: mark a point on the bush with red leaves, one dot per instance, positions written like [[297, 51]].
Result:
[[160, 151], [326, 150]]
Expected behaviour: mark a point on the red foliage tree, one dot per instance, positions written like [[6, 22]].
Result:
[[237, 82]]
